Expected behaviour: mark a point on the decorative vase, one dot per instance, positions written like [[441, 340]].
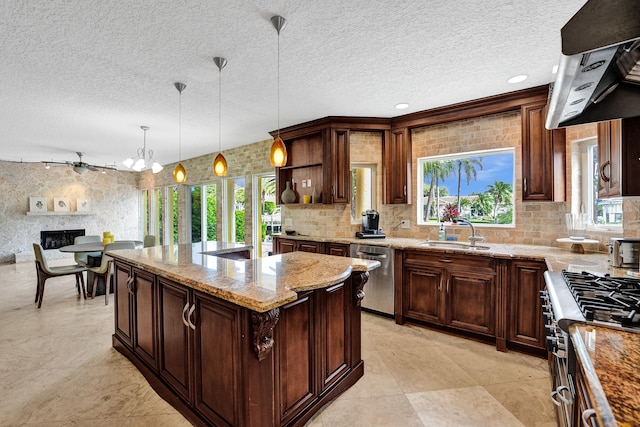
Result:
[[314, 195], [288, 195]]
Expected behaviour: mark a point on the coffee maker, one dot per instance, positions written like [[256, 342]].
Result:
[[370, 226]]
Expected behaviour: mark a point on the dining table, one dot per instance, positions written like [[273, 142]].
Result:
[[95, 247]]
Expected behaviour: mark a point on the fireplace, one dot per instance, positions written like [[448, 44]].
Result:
[[55, 239]]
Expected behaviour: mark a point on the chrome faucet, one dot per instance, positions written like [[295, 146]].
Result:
[[473, 238]]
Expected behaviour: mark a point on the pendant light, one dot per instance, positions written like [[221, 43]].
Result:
[[220, 163], [179, 173], [278, 155]]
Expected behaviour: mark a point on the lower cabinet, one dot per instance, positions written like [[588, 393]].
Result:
[[135, 303], [198, 342], [200, 352], [584, 413], [526, 325], [282, 245], [452, 290]]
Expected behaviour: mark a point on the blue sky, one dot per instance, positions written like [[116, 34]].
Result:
[[495, 167]]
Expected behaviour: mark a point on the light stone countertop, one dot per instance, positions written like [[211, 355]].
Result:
[[258, 284], [556, 258]]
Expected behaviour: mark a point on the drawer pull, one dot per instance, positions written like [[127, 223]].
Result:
[[586, 416]]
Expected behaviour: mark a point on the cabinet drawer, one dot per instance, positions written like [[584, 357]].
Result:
[[450, 261]]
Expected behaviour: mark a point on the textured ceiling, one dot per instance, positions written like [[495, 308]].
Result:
[[83, 75]]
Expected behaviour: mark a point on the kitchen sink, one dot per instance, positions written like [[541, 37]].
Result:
[[453, 245]]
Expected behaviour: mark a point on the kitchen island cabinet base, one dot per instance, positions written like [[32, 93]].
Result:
[[222, 364]]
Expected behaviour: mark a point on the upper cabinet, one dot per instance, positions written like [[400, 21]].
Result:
[[396, 157], [618, 158], [318, 157], [543, 156]]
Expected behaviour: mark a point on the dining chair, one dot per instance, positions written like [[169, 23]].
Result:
[[104, 270], [149, 240], [44, 271], [81, 258]]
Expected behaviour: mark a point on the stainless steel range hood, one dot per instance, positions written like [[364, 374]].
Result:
[[599, 73]]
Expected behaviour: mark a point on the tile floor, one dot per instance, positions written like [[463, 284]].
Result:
[[57, 368]]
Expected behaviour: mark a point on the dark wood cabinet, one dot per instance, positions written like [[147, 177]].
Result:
[[144, 322], [396, 158], [543, 156], [283, 245], [135, 302], [457, 291], [526, 326], [337, 249], [123, 301], [618, 158], [338, 166], [209, 365]]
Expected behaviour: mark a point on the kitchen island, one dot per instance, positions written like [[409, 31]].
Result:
[[258, 342]]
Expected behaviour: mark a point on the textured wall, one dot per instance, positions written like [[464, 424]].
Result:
[[114, 198]]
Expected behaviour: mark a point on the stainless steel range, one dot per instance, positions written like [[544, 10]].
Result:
[[582, 297]]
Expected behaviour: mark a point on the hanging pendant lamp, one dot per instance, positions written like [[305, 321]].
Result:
[[179, 172], [278, 155], [220, 163]]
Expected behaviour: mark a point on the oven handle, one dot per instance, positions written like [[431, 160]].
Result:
[[586, 415], [558, 392]]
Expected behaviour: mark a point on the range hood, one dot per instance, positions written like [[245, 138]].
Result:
[[599, 72]]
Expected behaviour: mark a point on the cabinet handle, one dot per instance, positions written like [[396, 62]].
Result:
[[440, 285], [193, 308], [405, 190], [130, 284], [448, 281], [184, 314], [586, 415], [445, 260], [604, 177], [525, 186]]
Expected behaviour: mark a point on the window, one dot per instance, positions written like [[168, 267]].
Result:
[[476, 185], [363, 190], [203, 213], [234, 210], [172, 209], [266, 217], [158, 214], [605, 213], [146, 220]]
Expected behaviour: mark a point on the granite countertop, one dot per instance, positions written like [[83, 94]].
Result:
[[610, 359], [258, 284], [557, 258]]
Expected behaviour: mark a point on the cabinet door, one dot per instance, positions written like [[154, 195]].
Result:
[[543, 156], [471, 302], [174, 344], [216, 359], [295, 357], [526, 325], [609, 151], [335, 334], [144, 309], [337, 249], [338, 172], [123, 302], [396, 157], [422, 291]]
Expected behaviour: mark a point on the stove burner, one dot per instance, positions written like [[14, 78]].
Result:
[[605, 298]]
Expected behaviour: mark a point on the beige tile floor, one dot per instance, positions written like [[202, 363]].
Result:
[[57, 368]]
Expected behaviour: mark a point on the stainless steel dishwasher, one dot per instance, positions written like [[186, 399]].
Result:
[[379, 290]]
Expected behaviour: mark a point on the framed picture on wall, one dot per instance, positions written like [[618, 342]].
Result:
[[83, 205], [61, 204], [37, 204]]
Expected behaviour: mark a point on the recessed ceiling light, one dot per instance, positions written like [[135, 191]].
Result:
[[402, 106], [554, 70], [517, 79]]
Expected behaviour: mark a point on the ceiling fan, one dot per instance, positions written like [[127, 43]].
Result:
[[81, 167]]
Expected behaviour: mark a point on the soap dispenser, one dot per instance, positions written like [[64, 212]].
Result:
[[441, 234]]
